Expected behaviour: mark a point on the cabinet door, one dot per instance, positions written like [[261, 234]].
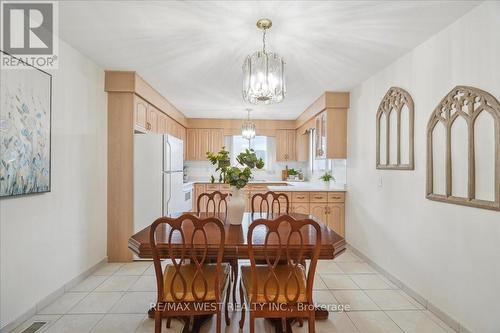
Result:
[[162, 123], [141, 113], [336, 218], [216, 140], [203, 143], [192, 144], [281, 145], [302, 208], [198, 190], [183, 138], [291, 149], [319, 210], [152, 119]]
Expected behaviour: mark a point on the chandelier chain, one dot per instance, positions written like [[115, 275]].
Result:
[[264, 41]]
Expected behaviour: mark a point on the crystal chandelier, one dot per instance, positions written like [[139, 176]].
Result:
[[248, 128], [264, 73]]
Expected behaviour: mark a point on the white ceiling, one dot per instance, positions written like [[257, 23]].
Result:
[[192, 52]]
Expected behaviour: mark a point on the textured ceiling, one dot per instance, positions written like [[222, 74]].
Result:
[[192, 52]]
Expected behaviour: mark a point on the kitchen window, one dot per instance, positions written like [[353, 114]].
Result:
[[259, 144]]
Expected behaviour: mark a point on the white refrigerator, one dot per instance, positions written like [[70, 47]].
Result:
[[158, 164]]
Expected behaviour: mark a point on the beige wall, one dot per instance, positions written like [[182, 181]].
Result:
[[448, 254]]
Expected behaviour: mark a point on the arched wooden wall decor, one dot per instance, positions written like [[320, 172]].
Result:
[[466, 104], [395, 100]]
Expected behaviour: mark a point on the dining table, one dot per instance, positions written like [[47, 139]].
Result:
[[236, 247]]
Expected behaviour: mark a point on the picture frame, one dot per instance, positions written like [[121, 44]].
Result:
[[25, 129]]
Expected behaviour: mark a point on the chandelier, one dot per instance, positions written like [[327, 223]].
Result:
[[248, 128], [264, 73]]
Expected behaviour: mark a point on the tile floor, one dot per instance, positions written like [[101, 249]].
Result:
[[116, 297]]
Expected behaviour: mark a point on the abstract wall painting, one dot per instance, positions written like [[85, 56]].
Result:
[[25, 130]]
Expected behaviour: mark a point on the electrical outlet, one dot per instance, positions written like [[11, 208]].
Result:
[[380, 183]]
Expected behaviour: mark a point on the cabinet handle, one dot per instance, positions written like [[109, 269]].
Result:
[[336, 197], [300, 197], [316, 197]]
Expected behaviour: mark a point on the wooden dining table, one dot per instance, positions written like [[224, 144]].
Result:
[[236, 245]]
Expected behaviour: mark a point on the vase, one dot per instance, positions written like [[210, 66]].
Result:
[[236, 206]]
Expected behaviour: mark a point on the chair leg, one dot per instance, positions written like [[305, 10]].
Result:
[[234, 268], [218, 327], [311, 322], [169, 319], [252, 323], [226, 310], [157, 320], [242, 302]]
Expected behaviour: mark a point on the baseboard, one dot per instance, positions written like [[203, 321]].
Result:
[[51, 297], [447, 319]]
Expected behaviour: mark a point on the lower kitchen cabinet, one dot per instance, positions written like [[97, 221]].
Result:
[[327, 207], [335, 217], [300, 207]]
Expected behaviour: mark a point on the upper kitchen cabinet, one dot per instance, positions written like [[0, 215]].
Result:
[[140, 114], [201, 140], [286, 145], [328, 116]]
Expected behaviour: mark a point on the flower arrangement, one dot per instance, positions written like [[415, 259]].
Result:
[[237, 176]]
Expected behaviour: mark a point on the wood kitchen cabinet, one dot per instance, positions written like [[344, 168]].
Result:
[[331, 134], [286, 145], [140, 114], [300, 207], [335, 217], [201, 140]]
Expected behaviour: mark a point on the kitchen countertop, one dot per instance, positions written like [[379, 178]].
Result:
[[307, 187], [292, 186]]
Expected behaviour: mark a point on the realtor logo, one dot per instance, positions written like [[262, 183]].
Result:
[[29, 33]]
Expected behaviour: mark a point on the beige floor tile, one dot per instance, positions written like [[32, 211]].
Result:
[[319, 284], [415, 322], [118, 323], [144, 283], [135, 302], [134, 268], [63, 304], [117, 283], [391, 300], [75, 323], [328, 267], [148, 326], [373, 322], [348, 256], [336, 322], [97, 302], [108, 269], [356, 268], [356, 299], [339, 281], [151, 269], [371, 281], [90, 283], [49, 319]]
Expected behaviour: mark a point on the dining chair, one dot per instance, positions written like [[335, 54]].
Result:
[[189, 285], [280, 288], [270, 203], [216, 203]]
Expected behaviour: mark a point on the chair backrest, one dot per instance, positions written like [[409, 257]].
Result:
[[270, 203], [216, 202], [187, 239], [284, 251]]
